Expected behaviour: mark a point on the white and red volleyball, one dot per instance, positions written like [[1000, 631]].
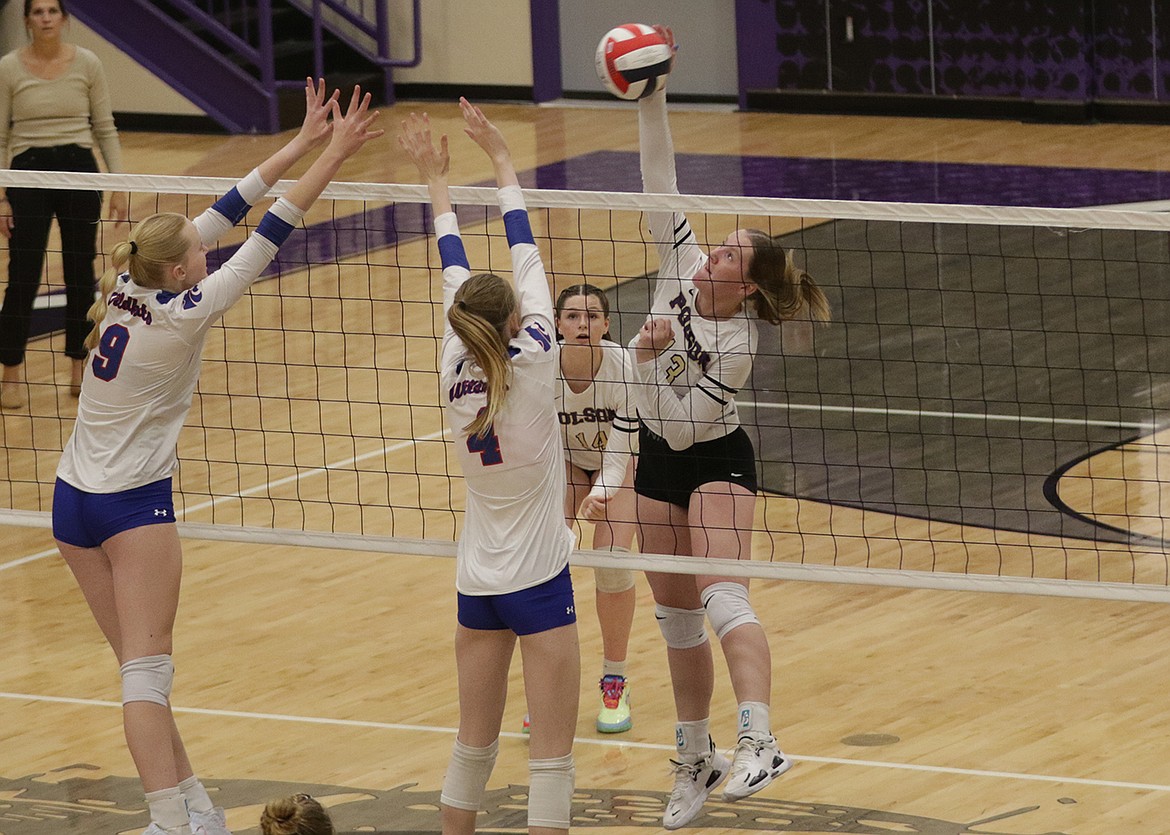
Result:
[[633, 61]]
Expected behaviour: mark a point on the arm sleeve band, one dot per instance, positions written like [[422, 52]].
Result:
[[279, 221], [253, 188], [516, 224], [243, 196], [451, 252]]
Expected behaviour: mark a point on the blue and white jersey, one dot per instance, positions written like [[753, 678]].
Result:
[[140, 378], [514, 534], [599, 426], [687, 394]]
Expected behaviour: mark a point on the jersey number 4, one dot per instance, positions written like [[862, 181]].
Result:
[[487, 447], [107, 359]]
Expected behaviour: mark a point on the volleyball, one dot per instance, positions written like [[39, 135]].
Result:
[[633, 61]]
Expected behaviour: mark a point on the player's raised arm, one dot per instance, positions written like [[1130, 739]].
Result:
[[233, 206], [433, 163], [315, 129], [350, 131], [487, 136]]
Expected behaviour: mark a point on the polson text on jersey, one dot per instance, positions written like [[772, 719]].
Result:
[[694, 349], [600, 415]]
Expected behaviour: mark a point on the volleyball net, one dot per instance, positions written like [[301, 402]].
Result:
[[987, 408]]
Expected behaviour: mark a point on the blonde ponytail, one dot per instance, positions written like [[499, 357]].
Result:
[[156, 245], [97, 311], [483, 306]]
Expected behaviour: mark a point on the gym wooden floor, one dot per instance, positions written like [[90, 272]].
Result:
[[331, 671]]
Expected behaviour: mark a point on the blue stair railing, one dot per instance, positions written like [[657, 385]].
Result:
[[370, 19], [235, 58]]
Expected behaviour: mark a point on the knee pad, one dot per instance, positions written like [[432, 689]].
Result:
[[148, 679], [682, 628], [727, 607], [467, 775], [614, 580], [550, 792]]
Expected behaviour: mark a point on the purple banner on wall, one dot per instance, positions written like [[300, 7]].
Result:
[[1126, 53], [1079, 50], [880, 47], [1035, 52], [781, 45]]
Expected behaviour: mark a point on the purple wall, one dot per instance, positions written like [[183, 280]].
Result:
[[1069, 50], [1127, 67]]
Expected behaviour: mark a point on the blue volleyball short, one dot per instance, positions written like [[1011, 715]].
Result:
[[525, 612], [86, 520]]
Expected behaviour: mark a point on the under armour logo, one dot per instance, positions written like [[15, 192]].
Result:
[[161, 511], [568, 610]]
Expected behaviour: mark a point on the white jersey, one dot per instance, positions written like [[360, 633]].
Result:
[[599, 426], [687, 394], [140, 378], [514, 532]]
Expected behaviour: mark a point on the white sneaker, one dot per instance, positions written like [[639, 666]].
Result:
[[757, 762], [693, 782], [209, 823]]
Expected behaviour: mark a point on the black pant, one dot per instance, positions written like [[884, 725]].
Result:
[[78, 214]]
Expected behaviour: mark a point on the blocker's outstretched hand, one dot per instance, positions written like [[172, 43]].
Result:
[[488, 136], [316, 126], [433, 162], [352, 129]]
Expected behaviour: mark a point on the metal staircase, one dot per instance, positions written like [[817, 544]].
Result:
[[244, 62]]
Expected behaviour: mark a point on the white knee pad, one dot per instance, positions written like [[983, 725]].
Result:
[[148, 679], [467, 775], [682, 628], [727, 607], [614, 580], [550, 792]]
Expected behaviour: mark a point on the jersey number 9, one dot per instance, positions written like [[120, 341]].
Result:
[[110, 350]]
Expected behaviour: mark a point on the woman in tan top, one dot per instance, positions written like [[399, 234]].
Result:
[[54, 106]]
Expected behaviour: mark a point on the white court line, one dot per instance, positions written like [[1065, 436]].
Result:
[[612, 743], [870, 410], [30, 558], [315, 471]]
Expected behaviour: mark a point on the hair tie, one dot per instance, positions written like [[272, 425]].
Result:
[[133, 248]]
